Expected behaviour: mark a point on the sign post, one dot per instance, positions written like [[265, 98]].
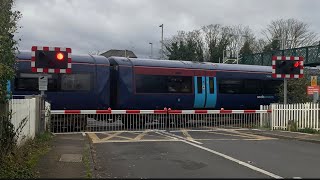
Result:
[[43, 83]]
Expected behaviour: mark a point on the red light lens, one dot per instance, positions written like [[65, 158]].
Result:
[[60, 56], [296, 64]]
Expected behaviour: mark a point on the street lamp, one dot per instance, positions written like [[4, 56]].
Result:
[[161, 40], [151, 49]]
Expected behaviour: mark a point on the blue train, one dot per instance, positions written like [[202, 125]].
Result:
[[98, 82]]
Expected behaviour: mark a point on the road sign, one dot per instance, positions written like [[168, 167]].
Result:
[[314, 80], [312, 89], [43, 83]]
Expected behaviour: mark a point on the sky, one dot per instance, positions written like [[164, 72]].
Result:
[[100, 25]]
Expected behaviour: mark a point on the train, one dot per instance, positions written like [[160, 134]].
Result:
[[98, 82]]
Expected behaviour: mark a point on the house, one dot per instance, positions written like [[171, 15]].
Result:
[[119, 53]]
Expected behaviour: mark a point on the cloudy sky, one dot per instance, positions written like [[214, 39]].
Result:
[[100, 25]]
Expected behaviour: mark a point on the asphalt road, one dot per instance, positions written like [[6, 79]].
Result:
[[198, 154]]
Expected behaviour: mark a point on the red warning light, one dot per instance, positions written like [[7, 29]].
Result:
[[60, 56], [296, 64]]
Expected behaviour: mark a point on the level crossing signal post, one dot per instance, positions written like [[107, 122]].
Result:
[[287, 67]]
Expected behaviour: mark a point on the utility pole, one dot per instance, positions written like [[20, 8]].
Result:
[[285, 81], [151, 50], [161, 41]]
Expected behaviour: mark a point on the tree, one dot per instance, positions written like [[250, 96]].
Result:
[[246, 49], [295, 33], [185, 46], [8, 24], [272, 46]]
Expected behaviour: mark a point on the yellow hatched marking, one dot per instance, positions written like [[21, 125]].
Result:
[[230, 134], [252, 135], [141, 135], [94, 137], [123, 137], [111, 136]]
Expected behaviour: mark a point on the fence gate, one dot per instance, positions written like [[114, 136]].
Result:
[[136, 120]]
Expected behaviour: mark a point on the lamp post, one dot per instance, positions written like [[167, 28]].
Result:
[[161, 40], [151, 50]]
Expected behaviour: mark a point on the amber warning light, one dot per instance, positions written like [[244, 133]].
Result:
[[59, 56]]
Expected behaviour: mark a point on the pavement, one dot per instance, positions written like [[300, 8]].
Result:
[[214, 153], [66, 157]]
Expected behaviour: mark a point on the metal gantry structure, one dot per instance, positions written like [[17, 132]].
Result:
[[311, 55]]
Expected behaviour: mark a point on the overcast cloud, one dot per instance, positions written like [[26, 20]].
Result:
[[90, 25]]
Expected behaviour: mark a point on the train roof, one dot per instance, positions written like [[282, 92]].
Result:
[[189, 64], [81, 58]]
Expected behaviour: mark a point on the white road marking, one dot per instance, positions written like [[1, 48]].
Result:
[[83, 134], [179, 137], [230, 158], [134, 141], [297, 178]]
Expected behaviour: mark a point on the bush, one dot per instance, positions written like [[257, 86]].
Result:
[[20, 162]]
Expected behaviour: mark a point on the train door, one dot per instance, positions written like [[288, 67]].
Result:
[[199, 91], [211, 92]]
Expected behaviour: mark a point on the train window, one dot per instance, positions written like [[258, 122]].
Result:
[[163, 84], [26, 84], [211, 85], [271, 86], [76, 82], [29, 82], [199, 84], [251, 86], [228, 86]]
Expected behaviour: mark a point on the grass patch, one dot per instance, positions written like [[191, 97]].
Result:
[[21, 162], [86, 161], [309, 131]]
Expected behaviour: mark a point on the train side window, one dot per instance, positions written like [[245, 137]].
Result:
[[230, 86], [199, 84], [29, 82], [251, 86], [271, 86], [26, 84], [163, 84], [211, 85], [76, 82]]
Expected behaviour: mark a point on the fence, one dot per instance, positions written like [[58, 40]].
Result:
[[304, 115], [133, 120], [26, 116]]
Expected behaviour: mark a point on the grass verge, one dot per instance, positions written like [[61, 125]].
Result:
[[86, 160], [21, 162]]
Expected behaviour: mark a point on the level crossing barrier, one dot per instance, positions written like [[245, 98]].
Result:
[[136, 120]]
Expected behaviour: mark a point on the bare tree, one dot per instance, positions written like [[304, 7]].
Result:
[[258, 45], [240, 34], [294, 33]]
